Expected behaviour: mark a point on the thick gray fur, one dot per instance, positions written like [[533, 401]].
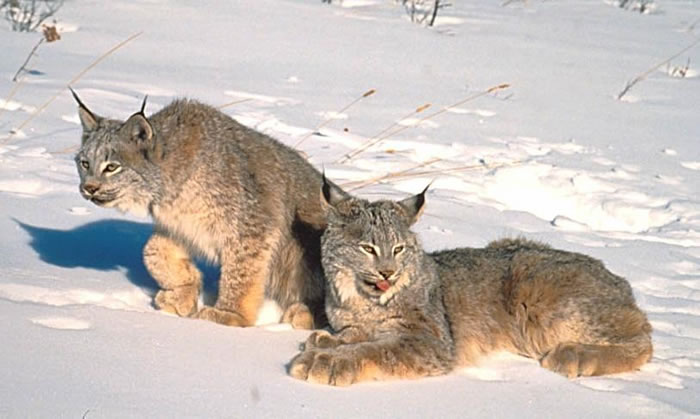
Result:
[[447, 309], [218, 190]]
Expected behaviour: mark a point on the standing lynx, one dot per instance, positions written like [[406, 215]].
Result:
[[218, 190], [401, 313]]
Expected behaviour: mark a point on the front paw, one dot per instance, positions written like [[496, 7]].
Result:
[[181, 301], [570, 360], [324, 367], [227, 318], [321, 339]]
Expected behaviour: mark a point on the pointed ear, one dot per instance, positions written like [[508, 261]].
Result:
[[87, 119], [138, 126], [331, 194], [414, 206]]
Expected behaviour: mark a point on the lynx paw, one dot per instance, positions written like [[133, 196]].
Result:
[[324, 367], [227, 318], [571, 360], [299, 316], [181, 301], [321, 339]]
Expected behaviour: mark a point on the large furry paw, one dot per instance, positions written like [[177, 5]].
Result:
[[321, 339], [181, 301], [324, 367], [299, 316], [227, 318], [572, 360]]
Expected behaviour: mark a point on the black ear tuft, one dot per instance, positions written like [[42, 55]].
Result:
[[331, 193], [143, 106], [87, 119], [325, 188]]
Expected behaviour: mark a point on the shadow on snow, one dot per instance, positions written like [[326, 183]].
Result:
[[104, 245]]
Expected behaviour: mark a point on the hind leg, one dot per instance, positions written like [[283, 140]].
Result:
[[577, 359], [179, 279]]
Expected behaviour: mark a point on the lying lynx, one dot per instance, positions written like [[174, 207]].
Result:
[[401, 313], [215, 189]]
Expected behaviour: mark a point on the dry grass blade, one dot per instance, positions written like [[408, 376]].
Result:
[[370, 92], [73, 80], [409, 173], [234, 102], [461, 169], [378, 138], [351, 186], [644, 75]]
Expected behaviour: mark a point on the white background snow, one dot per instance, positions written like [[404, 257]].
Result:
[[555, 157]]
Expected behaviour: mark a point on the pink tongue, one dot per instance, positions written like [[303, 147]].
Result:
[[383, 285]]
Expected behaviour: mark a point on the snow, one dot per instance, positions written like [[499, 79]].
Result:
[[555, 157]]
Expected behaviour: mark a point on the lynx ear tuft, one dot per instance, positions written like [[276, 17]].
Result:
[[87, 119], [414, 205], [331, 194], [143, 106]]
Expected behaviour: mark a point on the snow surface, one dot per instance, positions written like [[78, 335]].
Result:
[[556, 157]]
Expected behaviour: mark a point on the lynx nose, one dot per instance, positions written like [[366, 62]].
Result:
[[90, 188], [386, 274]]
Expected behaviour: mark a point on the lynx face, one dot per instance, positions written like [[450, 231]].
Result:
[[112, 162], [373, 242]]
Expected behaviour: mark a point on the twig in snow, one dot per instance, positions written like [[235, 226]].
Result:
[[644, 75], [73, 80], [50, 35], [679, 71], [29, 57]]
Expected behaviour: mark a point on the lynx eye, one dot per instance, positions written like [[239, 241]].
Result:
[[398, 249], [368, 249], [85, 164], [111, 168]]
